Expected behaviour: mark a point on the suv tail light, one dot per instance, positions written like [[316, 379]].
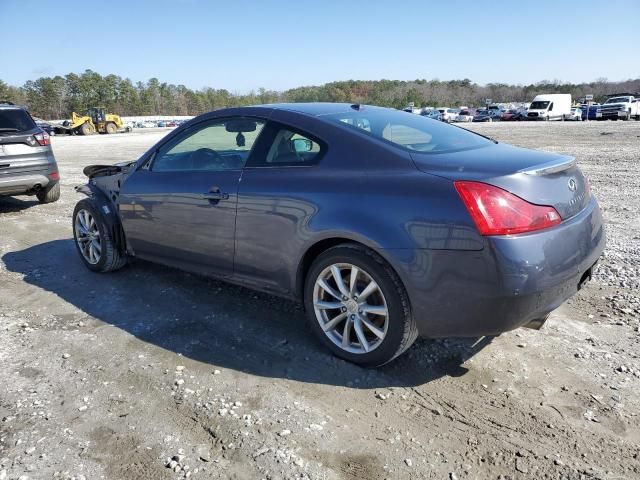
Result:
[[42, 138], [498, 212]]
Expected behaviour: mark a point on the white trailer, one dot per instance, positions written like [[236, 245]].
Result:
[[553, 106]]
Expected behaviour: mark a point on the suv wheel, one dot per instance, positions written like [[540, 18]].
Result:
[[357, 306], [93, 240], [50, 194]]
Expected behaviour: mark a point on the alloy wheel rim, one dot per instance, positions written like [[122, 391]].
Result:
[[88, 237], [351, 308]]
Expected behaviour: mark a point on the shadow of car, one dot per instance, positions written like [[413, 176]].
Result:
[[221, 324]]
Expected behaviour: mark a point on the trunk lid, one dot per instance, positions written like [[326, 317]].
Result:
[[20, 153], [540, 178]]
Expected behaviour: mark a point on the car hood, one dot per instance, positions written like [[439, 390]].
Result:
[[541, 178]]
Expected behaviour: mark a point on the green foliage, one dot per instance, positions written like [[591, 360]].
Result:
[[56, 97]]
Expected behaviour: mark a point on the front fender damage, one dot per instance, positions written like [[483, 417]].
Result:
[[103, 191]]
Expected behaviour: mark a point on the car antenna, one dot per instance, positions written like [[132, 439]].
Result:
[[356, 106]]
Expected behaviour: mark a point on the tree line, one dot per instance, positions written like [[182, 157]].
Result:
[[56, 97]]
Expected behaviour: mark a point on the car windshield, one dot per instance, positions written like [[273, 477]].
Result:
[[618, 100], [539, 105], [411, 132], [14, 120]]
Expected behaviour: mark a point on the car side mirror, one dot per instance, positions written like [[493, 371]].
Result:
[[301, 145]]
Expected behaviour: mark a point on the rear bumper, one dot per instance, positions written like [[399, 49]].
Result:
[[19, 184], [511, 282]]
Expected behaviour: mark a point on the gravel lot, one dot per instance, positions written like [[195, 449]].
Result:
[[153, 373]]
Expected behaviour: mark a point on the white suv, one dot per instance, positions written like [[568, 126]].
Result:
[[448, 114]]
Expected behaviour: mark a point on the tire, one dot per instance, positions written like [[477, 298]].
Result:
[[50, 194], [110, 128], [398, 325], [85, 129], [110, 258]]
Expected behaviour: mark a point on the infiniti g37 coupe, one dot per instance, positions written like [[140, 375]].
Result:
[[386, 225]]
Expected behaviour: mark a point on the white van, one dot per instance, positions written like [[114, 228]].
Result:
[[556, 106]]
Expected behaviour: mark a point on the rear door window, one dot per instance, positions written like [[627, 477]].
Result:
[[15, 120]]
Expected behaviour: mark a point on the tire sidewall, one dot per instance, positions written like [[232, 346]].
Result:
[[86, 204], [398, 309]]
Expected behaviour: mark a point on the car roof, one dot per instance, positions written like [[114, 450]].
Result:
[[11, 106], [317, 108]]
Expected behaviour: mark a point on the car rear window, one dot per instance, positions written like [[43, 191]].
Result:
[[14, 120], [411, 132]]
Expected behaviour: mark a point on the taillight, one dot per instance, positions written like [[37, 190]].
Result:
[[42, 138], [498, 212], [54, 176]]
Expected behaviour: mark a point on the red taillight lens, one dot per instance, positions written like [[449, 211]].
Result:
[[42, 138], [498, 212], [54, 176]]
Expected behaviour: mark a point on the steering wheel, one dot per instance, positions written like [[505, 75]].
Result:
[[204, 158]]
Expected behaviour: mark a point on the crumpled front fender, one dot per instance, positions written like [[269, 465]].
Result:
[[108, 210]]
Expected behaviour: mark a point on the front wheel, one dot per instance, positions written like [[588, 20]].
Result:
[[111, 128], [357, 306], [86, 129], [93, 240]]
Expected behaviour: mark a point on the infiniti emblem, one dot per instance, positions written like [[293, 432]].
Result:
[[572, 185]]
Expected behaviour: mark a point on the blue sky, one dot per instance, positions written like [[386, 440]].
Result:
[[242, 45]]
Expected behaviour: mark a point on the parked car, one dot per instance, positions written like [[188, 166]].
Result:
[[484, 116], [575, 115], [435, 115], [509, 115], [590, 112], [385, 225], [27, 163], [46, 126], [465, 115], [448, 114]]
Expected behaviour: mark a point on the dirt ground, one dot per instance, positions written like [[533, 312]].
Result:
[[116, 375]]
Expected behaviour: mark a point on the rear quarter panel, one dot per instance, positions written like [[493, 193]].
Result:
[[361, 191]]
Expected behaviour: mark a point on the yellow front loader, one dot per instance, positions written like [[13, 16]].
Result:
[[95, 119]]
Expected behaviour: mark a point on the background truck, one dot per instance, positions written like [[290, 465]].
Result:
[[94, 120], [624, 106], [555, 106]]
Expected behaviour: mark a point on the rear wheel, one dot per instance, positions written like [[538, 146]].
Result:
[[357, 306], [49, 194], [93, 240], [111, 128]]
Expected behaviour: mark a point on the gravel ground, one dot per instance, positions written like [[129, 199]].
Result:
[[154, 373]]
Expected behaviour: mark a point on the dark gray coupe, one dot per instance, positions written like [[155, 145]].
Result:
[[385, 224]]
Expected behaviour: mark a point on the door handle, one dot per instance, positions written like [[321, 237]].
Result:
[[216, 195]]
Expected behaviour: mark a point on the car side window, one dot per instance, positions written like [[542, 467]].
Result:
[[551, 106], [212, 146], [292, 148]]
